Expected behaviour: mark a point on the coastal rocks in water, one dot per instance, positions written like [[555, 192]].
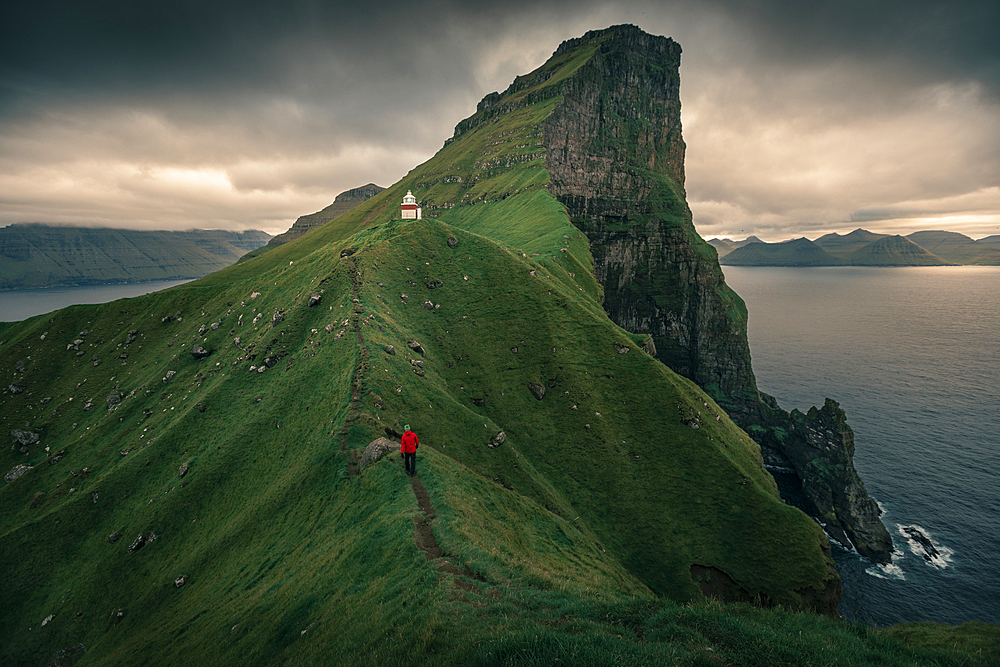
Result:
[[922, 545], [199, 352], [16, 472], [376, 449], [819, 447]]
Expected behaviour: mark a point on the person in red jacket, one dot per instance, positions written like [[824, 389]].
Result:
[[408, 448]]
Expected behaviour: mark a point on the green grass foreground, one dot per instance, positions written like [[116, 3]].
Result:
[[621, 499]]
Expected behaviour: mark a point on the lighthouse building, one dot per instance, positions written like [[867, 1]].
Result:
[[410, 210]]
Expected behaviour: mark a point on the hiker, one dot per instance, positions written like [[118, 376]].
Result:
[[408, 448]]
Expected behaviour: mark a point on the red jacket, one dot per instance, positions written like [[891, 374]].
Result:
[[409, 443]]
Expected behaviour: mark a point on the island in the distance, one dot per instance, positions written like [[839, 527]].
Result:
[[39, 255], [863, 248]]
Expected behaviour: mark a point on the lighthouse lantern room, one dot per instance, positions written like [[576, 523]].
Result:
[[410, 210]]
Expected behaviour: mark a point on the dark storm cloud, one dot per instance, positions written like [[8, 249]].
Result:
[[797, 115]]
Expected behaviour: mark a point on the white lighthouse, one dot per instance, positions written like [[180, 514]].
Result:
[[410, 210]]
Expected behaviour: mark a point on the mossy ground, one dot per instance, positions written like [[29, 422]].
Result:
[[573, 540]]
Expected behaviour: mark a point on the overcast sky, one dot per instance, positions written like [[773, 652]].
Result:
[[800, 118]]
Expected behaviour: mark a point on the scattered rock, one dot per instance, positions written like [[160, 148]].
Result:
[[497, 440], [347, 252], [15, 388], [130, 338], [416, 347], [113, 537], [36, 500], [537, 390], [419, 372], [428, 305], [417, 363], [433, 284], [314, 300], [171, 318], [648, 346], [404, 297], [622, 349], [25, 438], [478, 402], [114, 399], [390, 350], [256, 399], [452, 242], [180, 581], [278, 317], [169, 375], [16, 472], [514, 349], [183, 470], [142, 541], [376, 449], [201, 407], [214, 326], [64, 657]]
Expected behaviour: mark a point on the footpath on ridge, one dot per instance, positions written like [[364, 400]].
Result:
[[423, 519]]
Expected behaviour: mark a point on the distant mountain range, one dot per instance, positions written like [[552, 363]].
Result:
[[37, 255], [863, 248]]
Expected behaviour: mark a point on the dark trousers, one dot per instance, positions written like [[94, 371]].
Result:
[[410, 463]]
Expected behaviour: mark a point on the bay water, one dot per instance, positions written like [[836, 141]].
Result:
[[912, 354], [20, 304]]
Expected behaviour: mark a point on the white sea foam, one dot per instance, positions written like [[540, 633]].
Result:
[[926, 547], [888, 571]]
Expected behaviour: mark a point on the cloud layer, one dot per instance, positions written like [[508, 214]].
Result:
[[187, 114]]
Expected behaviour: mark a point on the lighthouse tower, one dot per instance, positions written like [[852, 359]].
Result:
[[410, 210]]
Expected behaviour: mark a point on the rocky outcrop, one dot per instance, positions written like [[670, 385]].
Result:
[[343, 203], [819, 447], [376, 449], [615, 156]]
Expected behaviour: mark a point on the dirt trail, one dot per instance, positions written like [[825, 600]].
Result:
[[427, 543], [360, 370]]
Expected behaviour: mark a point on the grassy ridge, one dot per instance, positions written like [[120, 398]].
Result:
[[292, 561]]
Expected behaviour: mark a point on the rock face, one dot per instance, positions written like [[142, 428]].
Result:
[[819, 446], [615, 156]]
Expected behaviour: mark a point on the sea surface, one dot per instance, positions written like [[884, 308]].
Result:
[[20, 304], [912, 354]]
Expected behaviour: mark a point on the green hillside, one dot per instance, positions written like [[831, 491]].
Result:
[[33, 255], [184, 483], [957, 248], [845, 244], [895, 251], [798, 252]]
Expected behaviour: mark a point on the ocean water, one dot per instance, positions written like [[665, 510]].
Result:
[[913, 357], [20, 304]]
